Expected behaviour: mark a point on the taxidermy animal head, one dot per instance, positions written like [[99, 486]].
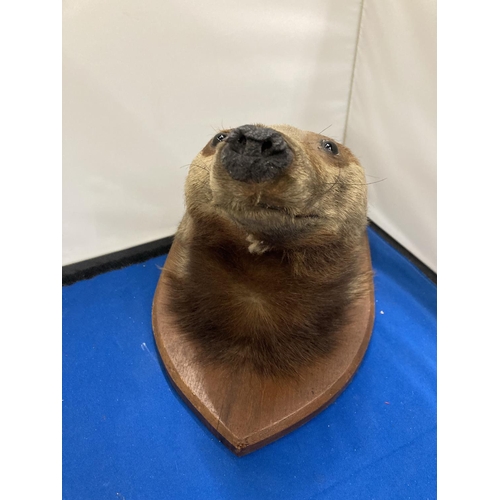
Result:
[[269, 252]]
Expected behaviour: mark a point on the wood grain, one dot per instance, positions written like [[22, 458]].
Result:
[[244, 410]]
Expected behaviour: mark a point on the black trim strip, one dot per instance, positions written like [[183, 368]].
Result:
[[402, 250], [89, 268]]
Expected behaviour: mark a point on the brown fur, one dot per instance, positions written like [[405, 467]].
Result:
[[265, 272]]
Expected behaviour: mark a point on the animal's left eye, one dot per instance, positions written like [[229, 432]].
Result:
[[331, 147]]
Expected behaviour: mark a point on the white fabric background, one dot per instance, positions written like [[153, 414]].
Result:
[[392, 119], [145, 84]]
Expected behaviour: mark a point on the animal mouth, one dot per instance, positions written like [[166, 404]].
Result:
[[286, 211], [259, 208]]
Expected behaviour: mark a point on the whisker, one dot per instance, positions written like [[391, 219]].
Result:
[[326, 128], [332, 185], [199, 166], [196, 165], [375, 182], [355, 183], [368, 183]]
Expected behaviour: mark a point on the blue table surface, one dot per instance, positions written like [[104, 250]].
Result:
[[127, 435]]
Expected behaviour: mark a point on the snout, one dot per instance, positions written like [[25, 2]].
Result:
[[255, 154]]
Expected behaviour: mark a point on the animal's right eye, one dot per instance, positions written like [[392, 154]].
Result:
[[221, 136]]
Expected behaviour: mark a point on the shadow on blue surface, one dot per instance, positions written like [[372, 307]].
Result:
[[127, 435]]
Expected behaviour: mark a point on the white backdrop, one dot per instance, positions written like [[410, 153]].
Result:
[[392, 119], [146, 83]]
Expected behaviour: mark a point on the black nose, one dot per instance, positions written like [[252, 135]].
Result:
[[255, 154]]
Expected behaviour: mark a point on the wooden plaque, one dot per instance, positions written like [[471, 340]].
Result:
[[242, 409]]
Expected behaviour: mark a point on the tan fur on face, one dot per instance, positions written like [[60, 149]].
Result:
[[266, 271]]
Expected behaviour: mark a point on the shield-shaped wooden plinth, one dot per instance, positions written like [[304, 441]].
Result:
[[244, 410]]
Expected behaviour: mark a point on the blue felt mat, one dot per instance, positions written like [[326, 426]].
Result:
[[127, 435]]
